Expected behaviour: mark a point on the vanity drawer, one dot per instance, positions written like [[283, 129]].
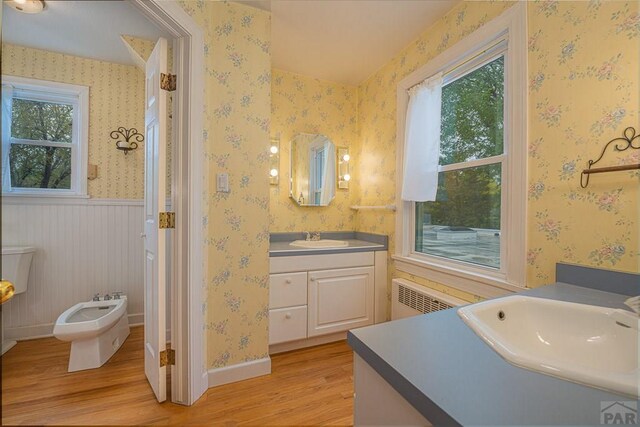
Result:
[[287, 289], [287, 324]]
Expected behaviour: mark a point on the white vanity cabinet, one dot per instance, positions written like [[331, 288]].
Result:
[[314, 299]]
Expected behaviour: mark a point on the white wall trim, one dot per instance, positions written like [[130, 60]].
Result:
[[482, 286], [189, 339], [15, 199], [239, 372], [33, 332], [513, 21]]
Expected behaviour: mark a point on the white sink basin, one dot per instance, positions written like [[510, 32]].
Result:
[[324, 243], [591, 345]]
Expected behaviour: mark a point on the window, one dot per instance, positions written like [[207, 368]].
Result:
[[44, 137], [464, 222], [473, 234]]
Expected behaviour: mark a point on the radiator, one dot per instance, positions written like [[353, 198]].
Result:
[[410, 299]]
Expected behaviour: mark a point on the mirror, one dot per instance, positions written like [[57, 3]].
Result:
[[313, 170]]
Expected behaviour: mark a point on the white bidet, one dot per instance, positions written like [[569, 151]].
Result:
[[96, 330]]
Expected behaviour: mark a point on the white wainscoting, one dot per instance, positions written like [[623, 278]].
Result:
[[84, 247]]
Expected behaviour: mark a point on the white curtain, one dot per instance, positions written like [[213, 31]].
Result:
[[422, 141], [328, 174], [7, 100]]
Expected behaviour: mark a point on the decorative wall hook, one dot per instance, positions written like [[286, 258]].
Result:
[[627, 141], [127, 139]]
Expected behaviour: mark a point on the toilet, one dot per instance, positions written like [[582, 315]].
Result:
[[16, 263], [96, 329]]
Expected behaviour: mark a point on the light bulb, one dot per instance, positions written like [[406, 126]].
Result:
[[346, 157], [347, 177], [274, 149], [274, 172]]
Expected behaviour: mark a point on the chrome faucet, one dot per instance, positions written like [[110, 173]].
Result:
[[308, 238], [96, 297], [116, 295], [107, 297], [315, 235]]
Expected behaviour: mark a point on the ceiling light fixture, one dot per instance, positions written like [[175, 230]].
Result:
[[26, 6]]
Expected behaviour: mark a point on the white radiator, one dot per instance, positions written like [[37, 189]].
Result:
[[410, 299]]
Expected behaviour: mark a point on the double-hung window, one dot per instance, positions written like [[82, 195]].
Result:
[[44, 137], [473, 233]]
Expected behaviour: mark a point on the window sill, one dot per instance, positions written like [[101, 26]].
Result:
[[459, 278], [26, 195]]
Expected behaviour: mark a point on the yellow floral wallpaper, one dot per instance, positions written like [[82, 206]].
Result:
[[236, 137], [583, 67], [142, 47], [116, 98], [301, 104]]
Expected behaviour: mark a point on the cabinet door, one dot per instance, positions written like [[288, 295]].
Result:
[[340, 300]]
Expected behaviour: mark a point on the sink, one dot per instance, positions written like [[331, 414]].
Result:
[[319, 244], [590, 345]]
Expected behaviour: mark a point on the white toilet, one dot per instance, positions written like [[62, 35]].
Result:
[[96, 330], [16, 262]]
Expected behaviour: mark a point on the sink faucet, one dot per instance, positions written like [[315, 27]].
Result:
[[308, 238], [96, 297], [315, 236]]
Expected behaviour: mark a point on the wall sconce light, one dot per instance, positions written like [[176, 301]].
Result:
[[274, 161], [344, 176], [26, 6], [127, 139]]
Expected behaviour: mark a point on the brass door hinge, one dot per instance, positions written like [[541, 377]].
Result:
[[167, 220], [167, 357], [168, 82]]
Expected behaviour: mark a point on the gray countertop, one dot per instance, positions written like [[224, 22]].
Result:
[[452, 377], [279, 244]]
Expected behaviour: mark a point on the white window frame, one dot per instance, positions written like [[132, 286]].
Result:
[[47, 91], [482, 281]]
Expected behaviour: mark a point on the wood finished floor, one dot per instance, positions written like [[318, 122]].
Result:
[[307, 387]]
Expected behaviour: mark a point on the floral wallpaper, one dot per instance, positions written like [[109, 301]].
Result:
[[301, 104], [116, 98], [583, 67], [235, 225]]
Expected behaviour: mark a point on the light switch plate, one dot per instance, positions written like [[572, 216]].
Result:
[[222, 183]]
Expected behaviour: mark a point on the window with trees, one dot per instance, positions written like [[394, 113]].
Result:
[[464, 222], [43, 137], [473, 235]]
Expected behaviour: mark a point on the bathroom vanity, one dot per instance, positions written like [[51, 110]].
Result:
[[434, 370], [317, 294]]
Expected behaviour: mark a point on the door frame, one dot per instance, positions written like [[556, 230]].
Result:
[[189, 374]]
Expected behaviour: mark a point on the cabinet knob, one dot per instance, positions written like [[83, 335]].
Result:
[[288, 281], [313, 279], [287, 316]]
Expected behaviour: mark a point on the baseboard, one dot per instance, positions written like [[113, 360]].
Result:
[[239, 372], [24, 333], [307, 342]]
